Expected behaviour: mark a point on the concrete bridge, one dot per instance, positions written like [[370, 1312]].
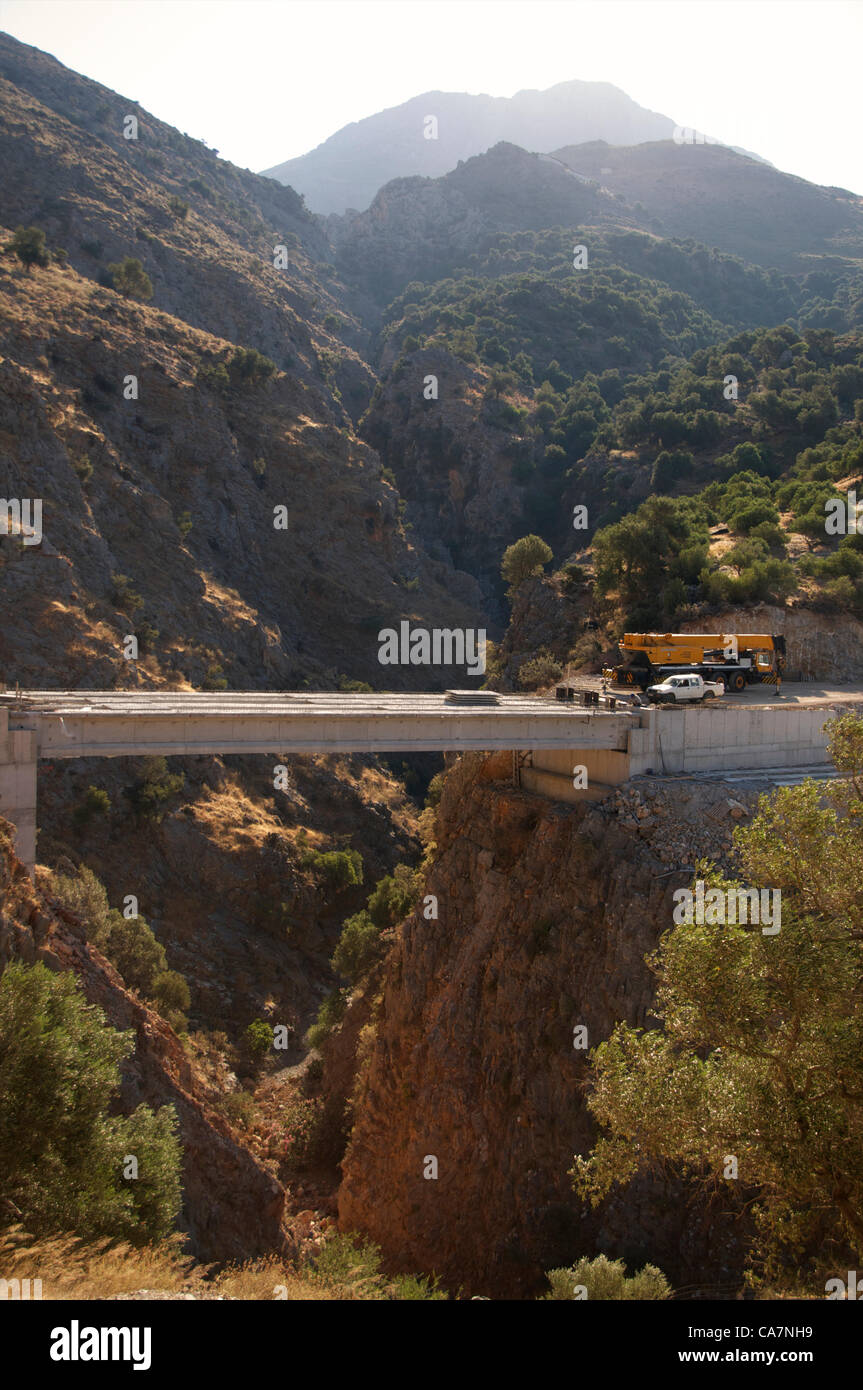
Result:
[[55, 724], [548, 738]]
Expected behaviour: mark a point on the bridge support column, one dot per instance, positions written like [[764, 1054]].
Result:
[[18, 788]]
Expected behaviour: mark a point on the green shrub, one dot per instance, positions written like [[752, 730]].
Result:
[[240, 1109], [394, 896], [147, 635], [214, 376], [258, 1037], [524, 559], [179, 209], [351, 1267], [669, 468], [303, 1121], [129, 943], [83, 894], [248, 366], [540, 670], [330, 1015], [214, 677], [62, 1152], [673, 597], [359, 947], [751, 514], [170, 991], [155, 787], [95, 802], [435, 791], [840, 593], [605, 1280], [28, 244], [130, 279], [125, 597], [573, 578], [339, 868]]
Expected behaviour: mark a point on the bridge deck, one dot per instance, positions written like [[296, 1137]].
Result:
[[100, 723]]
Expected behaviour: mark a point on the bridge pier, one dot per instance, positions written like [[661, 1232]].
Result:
[[18, 787]]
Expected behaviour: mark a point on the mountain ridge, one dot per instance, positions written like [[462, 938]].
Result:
[[348, 168]]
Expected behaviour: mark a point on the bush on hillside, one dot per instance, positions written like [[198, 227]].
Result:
[[62, 1151], [339, 868], [28, 244], [130, 279], [155, 787], [94, 802], [524, 559], [602, 1280], [541, 670]]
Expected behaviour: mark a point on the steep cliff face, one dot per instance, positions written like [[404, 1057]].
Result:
[[545, 916], [546, 616], [452, 459], [232, 1207]]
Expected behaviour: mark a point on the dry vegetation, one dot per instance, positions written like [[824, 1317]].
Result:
[[72, 1269]]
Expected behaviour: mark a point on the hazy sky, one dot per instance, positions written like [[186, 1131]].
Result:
[[264, 80]]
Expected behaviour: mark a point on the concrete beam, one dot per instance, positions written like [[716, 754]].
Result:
[[18, 757], [121, 724]]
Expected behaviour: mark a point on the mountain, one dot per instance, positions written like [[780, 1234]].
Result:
[[347, 170], [724, 198]]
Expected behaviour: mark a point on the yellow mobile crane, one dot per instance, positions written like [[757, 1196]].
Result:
[[736, 659]]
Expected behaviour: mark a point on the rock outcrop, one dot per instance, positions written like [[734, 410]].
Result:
[[820, 646], [546, 914]]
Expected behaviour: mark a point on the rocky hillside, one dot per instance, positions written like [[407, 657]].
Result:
[[253, 930], [197, 466]]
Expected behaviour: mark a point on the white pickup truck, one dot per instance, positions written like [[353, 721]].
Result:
[[677, 690]]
